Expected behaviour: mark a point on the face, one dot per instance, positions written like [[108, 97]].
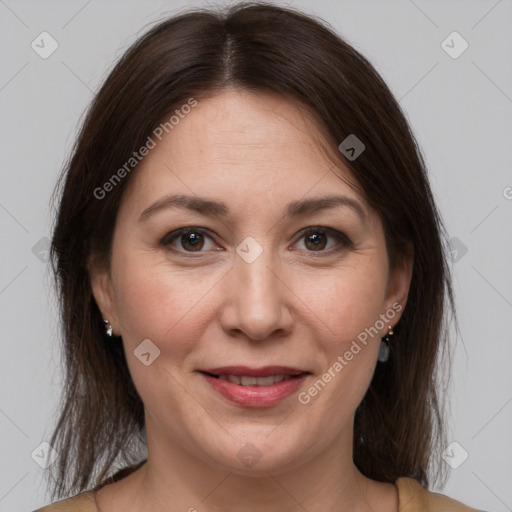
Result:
[[250, 268]]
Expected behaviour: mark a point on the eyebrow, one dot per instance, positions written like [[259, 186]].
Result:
[[213, 208]]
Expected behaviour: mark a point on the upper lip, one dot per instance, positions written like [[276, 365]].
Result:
[[263, 371]]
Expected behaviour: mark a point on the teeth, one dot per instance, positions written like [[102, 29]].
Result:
[[245, 380], [248, 381], [234, 379], [261, 381]]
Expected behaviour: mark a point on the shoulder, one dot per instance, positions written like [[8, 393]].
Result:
[[83, 502], [413, 497]]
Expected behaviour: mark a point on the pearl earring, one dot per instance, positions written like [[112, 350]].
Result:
[[108, 328]]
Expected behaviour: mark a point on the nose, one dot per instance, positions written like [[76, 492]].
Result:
[[257, 300]]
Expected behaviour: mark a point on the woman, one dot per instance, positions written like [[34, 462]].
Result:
[[252, 279]]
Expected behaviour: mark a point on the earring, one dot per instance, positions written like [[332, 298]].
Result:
[[384, 346], [108, 329]]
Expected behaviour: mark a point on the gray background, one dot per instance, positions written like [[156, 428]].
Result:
[[460, 110]]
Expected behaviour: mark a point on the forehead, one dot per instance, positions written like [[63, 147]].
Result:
[[254, 120], [240, 144]]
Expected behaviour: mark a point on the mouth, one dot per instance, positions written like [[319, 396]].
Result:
[[255, 387], [247, 380]]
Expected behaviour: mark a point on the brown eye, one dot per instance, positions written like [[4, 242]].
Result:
[[189, 240], [192, 241], [316, 241], [324, 240]]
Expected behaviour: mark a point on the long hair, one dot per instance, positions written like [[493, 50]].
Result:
[[398, 427]]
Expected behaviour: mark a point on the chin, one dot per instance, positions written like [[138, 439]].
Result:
[[258, 454]]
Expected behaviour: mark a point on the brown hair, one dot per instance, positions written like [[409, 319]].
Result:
[[398, 428]]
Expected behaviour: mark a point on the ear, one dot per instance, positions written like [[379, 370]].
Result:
[[399, 283], [101, 284]]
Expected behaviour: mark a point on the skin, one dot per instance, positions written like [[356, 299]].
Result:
[[291, 306]]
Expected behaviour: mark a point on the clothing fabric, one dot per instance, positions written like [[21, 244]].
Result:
[[412, 497]]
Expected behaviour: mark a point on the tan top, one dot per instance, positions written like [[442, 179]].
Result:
[[412, 497]]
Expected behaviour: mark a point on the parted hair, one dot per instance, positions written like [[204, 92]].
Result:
[[399, 427]]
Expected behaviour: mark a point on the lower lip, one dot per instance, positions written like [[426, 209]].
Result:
[[256, 396]]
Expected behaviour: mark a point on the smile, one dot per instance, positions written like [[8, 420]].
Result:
[[263, 387], [247, 380]]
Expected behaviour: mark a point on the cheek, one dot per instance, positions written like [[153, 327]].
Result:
[[156, 302], [167, 307], [345, 312], [347, 302]]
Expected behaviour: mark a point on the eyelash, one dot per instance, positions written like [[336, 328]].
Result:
[[344, 241]]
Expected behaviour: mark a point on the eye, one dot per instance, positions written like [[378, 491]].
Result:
[[189, 240], [316, 239]]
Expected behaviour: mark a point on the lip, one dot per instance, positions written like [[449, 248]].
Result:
[[263, 371], [255, 396]]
